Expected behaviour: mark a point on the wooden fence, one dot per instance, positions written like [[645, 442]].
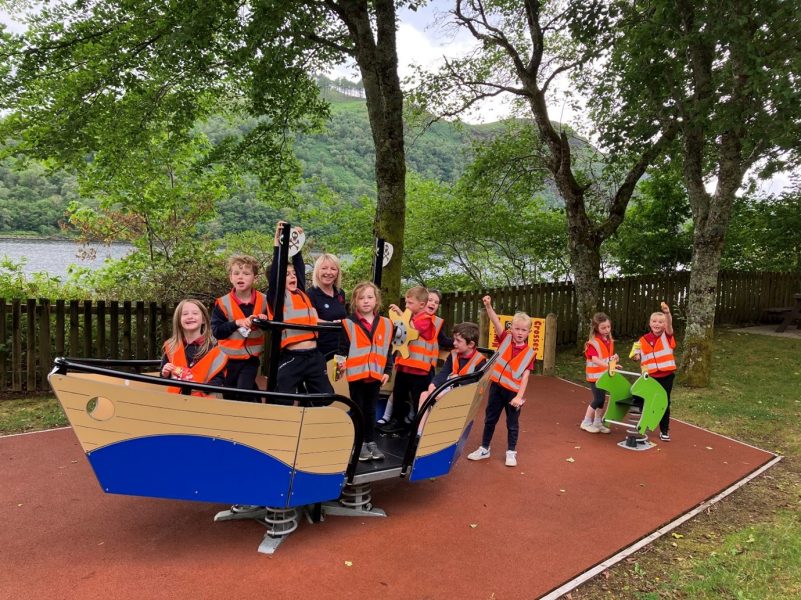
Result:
[[33, 332]]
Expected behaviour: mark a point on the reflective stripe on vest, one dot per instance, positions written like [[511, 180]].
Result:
[[593, 370], [298, 309], [438, 323], [508, 371], [468, 368], [236, 346], [203, 371], [658, 357], [367, 358]]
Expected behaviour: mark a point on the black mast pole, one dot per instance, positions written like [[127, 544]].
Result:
[[278, 305]]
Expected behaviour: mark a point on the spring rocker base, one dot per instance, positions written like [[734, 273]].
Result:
[[624, 396]]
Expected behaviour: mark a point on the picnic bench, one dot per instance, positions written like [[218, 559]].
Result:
[[791, 314]]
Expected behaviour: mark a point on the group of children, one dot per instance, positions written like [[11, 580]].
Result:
[[225, 350]]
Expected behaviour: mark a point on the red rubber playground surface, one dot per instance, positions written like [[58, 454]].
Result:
[[484, 531]]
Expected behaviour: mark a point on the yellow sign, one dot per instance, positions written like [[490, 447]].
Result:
[[536, 339]]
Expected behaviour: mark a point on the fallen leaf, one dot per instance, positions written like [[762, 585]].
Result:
[[678, 536], [571, 459], [563, 491], [348, 563], [577, 447], [473, 525], [19, 504], [709, 447]]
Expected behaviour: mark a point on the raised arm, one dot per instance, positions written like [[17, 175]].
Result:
[[668, 319], [493, 317]]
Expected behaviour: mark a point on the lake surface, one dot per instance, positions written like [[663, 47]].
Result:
[[54, 256]]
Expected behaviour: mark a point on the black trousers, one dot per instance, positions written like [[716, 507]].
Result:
[[406, 391], [498, 402], [365, 394], [302, 371], [242, 374], [667, 383]]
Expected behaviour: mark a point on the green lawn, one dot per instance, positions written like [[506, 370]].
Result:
[[746, 547], [749, 545]]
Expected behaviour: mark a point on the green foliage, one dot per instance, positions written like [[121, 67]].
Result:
[[15, 284]]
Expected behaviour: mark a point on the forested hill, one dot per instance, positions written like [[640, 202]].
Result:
[[33, 200]]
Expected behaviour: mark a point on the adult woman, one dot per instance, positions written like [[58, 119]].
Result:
[[328, 299]]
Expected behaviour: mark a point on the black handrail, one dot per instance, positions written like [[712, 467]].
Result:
[[62, 365], [411, 447]]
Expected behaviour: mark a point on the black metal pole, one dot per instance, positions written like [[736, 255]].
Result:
[[278, 305], [378, 261]]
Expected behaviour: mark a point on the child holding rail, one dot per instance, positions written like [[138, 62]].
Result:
[[232, 324], [656, 358], [509, 376], [366, 341], [599, 350], [192, 354], [463, 359]]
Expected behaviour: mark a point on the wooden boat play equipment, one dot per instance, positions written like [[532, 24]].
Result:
[[644, 393], [268, 460]]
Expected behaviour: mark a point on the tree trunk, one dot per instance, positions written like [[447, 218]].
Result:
[[377, 58]]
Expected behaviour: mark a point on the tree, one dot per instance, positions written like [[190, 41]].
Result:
[[109, 74], [725, 76], [522, 51]]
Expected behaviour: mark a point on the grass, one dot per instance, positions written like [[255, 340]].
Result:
[[746, 547]]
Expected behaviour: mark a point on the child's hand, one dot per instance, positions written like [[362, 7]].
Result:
[[243, 322], [261, 316], [423, 398], [384, 378], [278, 226], [665, 308], [615, 358], [166, 370], [395, 308], [487, 300]]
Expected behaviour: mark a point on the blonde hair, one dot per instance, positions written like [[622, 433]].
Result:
[[244, 260], [522, 317], [178, 334], [417, 292], [596, 320], [360, 287], [656, 314], [319, 263]]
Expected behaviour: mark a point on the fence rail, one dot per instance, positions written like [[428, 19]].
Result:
[[33, 332]]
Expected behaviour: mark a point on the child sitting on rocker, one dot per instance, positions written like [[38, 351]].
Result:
[[463, 359]]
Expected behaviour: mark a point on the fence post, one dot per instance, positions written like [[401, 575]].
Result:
[[16, 345], [45, 344], [3, 346], [549, 346]]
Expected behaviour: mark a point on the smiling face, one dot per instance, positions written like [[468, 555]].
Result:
[[327, 273], [242, 278], [433, 304], [191, 320], [657, 324]]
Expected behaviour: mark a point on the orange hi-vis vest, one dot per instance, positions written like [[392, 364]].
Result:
[[438, 323], [203, 371], [507, 371], [236, 346], [422, 354], [475, 361], [298, 309], [658, 357], [367, 357], [593, 370]]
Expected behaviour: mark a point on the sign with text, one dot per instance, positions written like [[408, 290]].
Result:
[[536, 338]]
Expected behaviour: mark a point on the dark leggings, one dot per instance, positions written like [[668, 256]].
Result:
[[667, 383], [498, 402], [365, 394], [242, 374], [598, 396]]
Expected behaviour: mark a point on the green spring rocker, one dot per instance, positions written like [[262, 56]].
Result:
[[621, 399]]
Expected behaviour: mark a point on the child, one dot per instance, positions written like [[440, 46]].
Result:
[[464, 359], [411, 377], [300, 362], [443, 341], [232, 325], [598, 351], [366, 340], [191, 354], [509, 378], [656, 358]]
